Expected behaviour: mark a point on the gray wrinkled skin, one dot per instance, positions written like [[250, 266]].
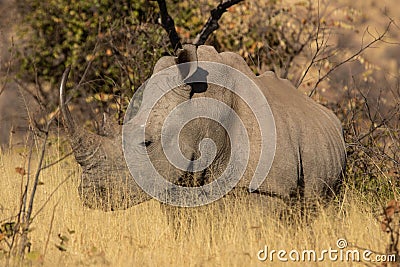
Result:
[[309, 157]]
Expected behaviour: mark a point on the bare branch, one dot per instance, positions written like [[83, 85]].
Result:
[[360, 51], [317, 50], [9, 64], [212, 22], [38, 170], [58, 160], [168, 24]]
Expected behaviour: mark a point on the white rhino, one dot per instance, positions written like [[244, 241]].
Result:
[[309, 157]]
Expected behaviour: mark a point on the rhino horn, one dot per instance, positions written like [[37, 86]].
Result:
[[83, 143], [66, 114]]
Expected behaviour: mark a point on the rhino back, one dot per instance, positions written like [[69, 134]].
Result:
[[309, 140]]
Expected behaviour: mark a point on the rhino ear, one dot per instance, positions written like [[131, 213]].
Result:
[[188, 54], [108, 127]]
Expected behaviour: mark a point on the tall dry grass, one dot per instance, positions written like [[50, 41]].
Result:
[[66, 234]]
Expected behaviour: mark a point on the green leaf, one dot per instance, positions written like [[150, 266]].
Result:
[[34, 256], [61, 248]]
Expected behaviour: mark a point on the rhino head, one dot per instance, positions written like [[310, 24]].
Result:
[[105, 182]]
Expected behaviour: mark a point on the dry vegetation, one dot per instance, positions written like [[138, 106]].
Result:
[[64, 233]]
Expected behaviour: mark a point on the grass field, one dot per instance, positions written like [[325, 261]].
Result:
[[231, 235]]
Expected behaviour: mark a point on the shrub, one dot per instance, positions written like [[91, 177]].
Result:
[[115, 43]]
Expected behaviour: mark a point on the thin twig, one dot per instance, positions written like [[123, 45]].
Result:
[[317, 49], [21, 85], [57, 161], [51, 194], [25, 194], [212, 22], [362, 49], [3, 87], [82, 80], [38, 170], [50, 229]]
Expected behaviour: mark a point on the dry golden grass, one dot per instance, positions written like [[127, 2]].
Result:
[[141, 236]]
